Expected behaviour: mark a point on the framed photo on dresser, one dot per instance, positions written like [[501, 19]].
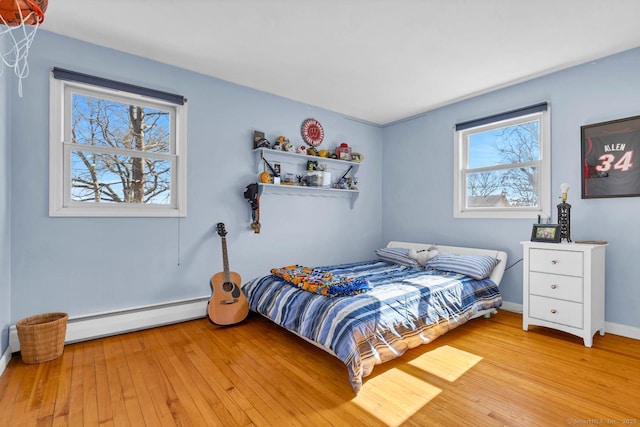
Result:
[[549, 233]]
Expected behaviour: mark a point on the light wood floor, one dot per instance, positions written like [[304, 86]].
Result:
[[486, 372]]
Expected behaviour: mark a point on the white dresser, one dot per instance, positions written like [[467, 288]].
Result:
[[563, 287]]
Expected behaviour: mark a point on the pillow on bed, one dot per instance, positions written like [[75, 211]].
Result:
[[398, 256], [423, 255], [475, 266]]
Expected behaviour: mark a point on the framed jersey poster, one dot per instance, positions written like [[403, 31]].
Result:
[[610, 167]]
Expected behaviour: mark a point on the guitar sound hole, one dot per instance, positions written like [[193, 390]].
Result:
[[227, 286]]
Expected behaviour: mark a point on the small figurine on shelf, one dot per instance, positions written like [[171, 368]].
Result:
[[302, 149], [343, 152], [354, 183], [286, 145], [289, 147], [288, 178], [283, 143]]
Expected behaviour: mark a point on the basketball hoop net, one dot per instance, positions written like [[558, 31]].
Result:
[[19, 22]]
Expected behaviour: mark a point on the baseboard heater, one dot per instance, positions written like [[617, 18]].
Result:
[[87, 327]]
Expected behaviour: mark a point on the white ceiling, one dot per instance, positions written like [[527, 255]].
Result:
[[378, 61]]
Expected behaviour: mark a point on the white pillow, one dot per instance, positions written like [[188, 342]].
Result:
[[423, 255]]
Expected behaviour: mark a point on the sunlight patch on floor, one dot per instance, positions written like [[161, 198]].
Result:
[[446, 362], [379, 396], [397, 394]]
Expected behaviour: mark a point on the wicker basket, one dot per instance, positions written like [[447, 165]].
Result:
[[42, 337]]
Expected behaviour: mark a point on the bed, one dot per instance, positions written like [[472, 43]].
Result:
[[396, 304]]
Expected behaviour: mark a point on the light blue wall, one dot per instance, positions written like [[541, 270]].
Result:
[[88, 265], [418, 178], [5, 210]]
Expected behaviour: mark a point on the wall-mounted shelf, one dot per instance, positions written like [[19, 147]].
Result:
[[297, 164], [296, 158]]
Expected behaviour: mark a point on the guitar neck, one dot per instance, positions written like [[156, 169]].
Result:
[[225, 260]]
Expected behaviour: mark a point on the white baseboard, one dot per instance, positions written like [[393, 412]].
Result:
[[4, 360], [622, 330], [511, 306], [87, 327]]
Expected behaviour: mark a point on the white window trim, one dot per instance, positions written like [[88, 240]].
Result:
[[544, 180], [59, 170]]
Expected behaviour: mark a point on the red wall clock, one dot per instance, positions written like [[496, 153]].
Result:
[[312, 132]]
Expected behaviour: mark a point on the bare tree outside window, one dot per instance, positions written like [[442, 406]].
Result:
[[502, 166], [520, 145], [483, 184], [122, 153]]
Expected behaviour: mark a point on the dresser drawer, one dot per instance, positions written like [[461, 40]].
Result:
[[556, 262], [556, 286], [556, 311]]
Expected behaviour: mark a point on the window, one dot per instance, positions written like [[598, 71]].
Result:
[[502, 165], [115, 150]]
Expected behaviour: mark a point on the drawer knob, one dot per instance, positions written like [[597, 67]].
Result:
[[554, 286], [553, 311], [554, 262]]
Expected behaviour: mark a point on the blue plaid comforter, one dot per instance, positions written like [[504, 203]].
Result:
[[406, 307]]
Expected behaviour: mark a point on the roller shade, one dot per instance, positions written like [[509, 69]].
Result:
[[62, 74], [503, 116]]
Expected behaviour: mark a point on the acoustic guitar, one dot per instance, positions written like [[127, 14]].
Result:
[[228, 305]]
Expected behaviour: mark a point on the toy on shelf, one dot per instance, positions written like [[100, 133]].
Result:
[[259, 141], [343, 152]]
